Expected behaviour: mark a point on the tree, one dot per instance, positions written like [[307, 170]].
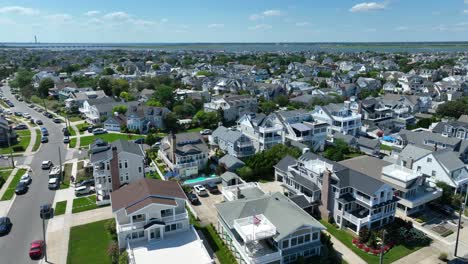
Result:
[[155, 67], [282, 100], [44, 87], [184, 110], [121, 109], [323, 84], [126, 96], [454, 108], [268, 107], [165, 95], [23, 78], [338, 151], [105, 85], [120, 68], [246, 173], [151, 139], [119, 86], [108, 71], [206, 119], [170, 122], [123, 258]]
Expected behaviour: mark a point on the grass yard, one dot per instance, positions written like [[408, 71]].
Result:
[[88, 244], [110, 137], [195, 129], [24, 137], [84, 204], [37, 142], [4, 174], [346, 238], [72, 131], [11, 188], [385, 147], [72, 143], [67, 174], [60, 208], [82, 127]]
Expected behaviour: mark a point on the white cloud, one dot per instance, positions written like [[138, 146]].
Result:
[[18, 10], [255, 17], [260, 26], [215, 25], [164, 20], [6, 21], [466, 1], [365, 7], [401, 28], [272, 12], [92, 13], [60, 18], [302, 24], [117, 15], [142, 22], [95, 21]]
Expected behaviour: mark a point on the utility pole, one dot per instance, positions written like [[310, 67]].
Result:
[[462, 210], [45, 106], [382, 247], [44, 237], [9, 147], [60, 161]]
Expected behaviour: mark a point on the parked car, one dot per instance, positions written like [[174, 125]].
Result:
[[200, 190], [10, 104], [30, 105], [193, 198], [98, 131], [54, 183], [82, 190], [20, 127], [57, 120], [46, 211], [139, 141], [65, 131], [36, 250], [38, 122], [26, 115], [44, 139], [89, 182], [66, 139], [212, 187], [21, 188], [46, 164], [5, 226], [47, 114], [44, 131], [90, 129], [18, 114], [205, 132], [26, 178]]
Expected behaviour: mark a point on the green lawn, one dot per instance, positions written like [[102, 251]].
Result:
[[195, 129], [67, 174], [88, 244], [84, 204], [385, 147], [60, 208], [72, 131], [11, 188], [37, 143], [110, 137], [82, 127], [72, 143], [397, 252], [24, 137], [4, 174]]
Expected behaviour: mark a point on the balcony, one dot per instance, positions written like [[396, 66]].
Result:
[[177, 217], [141, 224], [131, 226], [423, 196], [232, 193], [262, 252], [356, 218], [254, 228]]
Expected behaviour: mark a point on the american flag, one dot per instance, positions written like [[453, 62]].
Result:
[[256, 220]]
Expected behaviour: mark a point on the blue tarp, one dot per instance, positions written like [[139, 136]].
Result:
[[389, 138]]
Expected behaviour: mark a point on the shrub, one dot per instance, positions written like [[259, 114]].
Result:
[[355, 241], [123, 258], [364, 235], [113, 251], [367, 249], [443, 256], [18, 148], [111, 228], [360, 245]]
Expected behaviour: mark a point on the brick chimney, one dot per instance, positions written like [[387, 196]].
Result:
[[325, 196], [114, 168]]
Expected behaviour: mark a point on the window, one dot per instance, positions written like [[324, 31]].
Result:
[[166, 212], [126, 164], [120, 165], [126, 176], [340, 205], [419, 168], [315, 236], [138, 217], [167, 228], [293, 242], [139, 169], [429, 160], [300, 240], [307, 238], [433, 173], [285, 244]]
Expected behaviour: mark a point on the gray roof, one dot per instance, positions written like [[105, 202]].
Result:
[[419, 137], [304, 181], [227, 135], [368, 143], [367, 165], [301, 127], [191, 142], [227, 176], [359, 181], [301, 201], [448, 159], [283, 213], [285, 162], [414, 152], [128, 146], [231, 161]]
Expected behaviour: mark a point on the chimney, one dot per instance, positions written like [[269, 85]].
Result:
[[324, 206], [173, 147], [410, 162], [347, 104], [114, 168]]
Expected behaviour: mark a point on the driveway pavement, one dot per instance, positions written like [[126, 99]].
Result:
[[206, 210]]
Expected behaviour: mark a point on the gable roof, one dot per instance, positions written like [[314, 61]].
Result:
[[139, 194], [285, 162], [449, 159], [367, 165]]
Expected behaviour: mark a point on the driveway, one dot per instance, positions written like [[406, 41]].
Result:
[[206, 210]]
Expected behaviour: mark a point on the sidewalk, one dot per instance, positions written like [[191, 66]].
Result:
[[32, 141], [346, 253], [5, 205]]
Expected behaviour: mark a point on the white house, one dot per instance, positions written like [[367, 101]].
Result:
[[339, 117], [233, 106]]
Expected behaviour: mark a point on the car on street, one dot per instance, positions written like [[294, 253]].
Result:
[[47, 114], [7, 112], [98, 131], [26, 115], [21, 188], [193, 198], [54, 183], [30, 105], [139, 141], [5, 226], [21, 127], [46, 211], [46, 164], [65, 131], [205, 132], [44, 139], [200, 190], [89, 182], [36, 249], [38, 109], [212, 187], [26, 178], [57, 120], [90, 129], [66, 139], [44, 131], [10, 104], [38, 122], [82, 190]]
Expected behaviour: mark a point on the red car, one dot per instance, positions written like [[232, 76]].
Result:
[[36, 251]]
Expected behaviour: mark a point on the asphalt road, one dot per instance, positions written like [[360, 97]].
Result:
[[24, 213]]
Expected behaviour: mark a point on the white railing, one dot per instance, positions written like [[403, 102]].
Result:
[[249, 230], [356, 220], [230, 192], [132, 226], [176, 217], [363, 199], [267, 258], [131, 256]]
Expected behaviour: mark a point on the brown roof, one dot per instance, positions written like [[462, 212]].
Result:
[[135, 195]]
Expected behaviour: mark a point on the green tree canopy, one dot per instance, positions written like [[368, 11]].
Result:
[[108, 71], [155, 67], [119, 86], [206, 119], [121, 109], [44, 87], [105, 85], [165, 95], [170, 122], [454, 108]]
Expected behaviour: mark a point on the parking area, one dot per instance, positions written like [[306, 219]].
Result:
[[206, 210]]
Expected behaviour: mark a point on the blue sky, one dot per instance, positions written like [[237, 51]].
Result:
[[233, 20]]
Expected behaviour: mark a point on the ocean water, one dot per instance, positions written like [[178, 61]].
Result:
[[410, 47]]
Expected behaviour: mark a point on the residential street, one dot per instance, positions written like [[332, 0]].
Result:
[[24, 212]]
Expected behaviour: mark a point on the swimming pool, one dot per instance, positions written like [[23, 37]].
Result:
[[200, 179]]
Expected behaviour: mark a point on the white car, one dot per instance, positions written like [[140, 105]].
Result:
[[7, 112], [200, 190], [98, 131], [26, 178], [82, 190], [46, 164], [54, 183], [26, 115]]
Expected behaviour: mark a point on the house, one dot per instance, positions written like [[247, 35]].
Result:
[[232, 142], [369, 146], [115, 164], [456, 129], [269, 228], [339, 117], [427, 139], [411, 83], [76, 100], [412, 188], [152, 223], [231, 163], [185, 153], [353, 199], [115, 123], [233, 106], [264, 131], [7, 134], [368, 83]]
